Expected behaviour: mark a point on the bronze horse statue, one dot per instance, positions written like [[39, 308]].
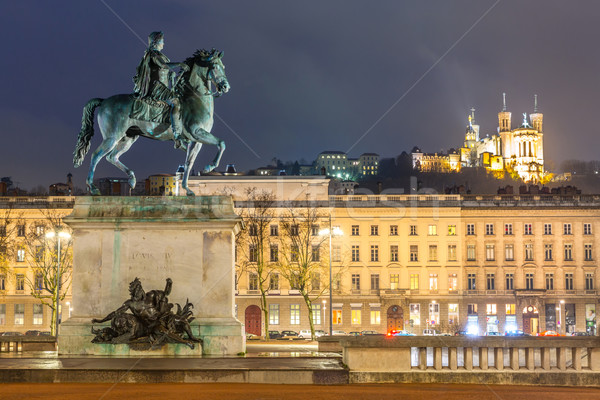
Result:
[[120, 131]]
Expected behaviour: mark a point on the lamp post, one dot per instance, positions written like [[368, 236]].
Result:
[[560, 318], [58, 233], [324, 310], [331, 232]]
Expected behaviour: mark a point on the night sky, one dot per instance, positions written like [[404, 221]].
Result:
[[306, 76]]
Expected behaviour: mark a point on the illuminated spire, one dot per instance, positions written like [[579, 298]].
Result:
[[503, 101], [472, 114], [535, 103]]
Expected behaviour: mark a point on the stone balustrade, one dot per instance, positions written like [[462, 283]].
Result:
[[27, 343]]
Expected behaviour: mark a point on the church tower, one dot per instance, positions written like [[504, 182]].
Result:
[[536, 118], [504, 130], [472, 132]]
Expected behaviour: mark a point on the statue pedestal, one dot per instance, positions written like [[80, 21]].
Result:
[[190, 240]]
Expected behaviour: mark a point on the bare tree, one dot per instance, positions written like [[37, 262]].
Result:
[[255, 242], [10, 221], [303, 262], [51, 270]]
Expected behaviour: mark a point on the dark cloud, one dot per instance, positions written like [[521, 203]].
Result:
[[306, 76]]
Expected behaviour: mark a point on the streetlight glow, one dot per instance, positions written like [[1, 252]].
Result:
[[335, 231], [59, 234]]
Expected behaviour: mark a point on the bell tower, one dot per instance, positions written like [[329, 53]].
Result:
[[504, 130], [537, 118]]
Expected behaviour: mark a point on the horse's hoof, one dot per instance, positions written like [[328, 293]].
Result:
[[95, 192], [132, 183], [190, 193], [208, 169]]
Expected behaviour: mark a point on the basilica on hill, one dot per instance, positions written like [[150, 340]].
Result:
[[518, 151]]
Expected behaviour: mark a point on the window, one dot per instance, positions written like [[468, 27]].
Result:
[[314, 230], [491, 282], [547, 252], [39, 230], [2, 314], [587, 229], [489, 229], [587, 249], [19, 314], [452, 282], [451, 230], [38, 284], [394, 253], [432, 230], [490, 309], [316, 314], [337, 316], [549, 281], [355, 315], [470, 252], [38, 314], [355, 231], [253, 230], [508, 229], [415, 313], [414, 252], [569, 281], [471, 309], [527, 229], [315, 281], [295, 253], [510, 281], [274, 281], [470, 229], [471, 282], [336, 253], [528, 251], [414, 281], [413, 230], [2, 282], [274, 253], [2, 230], [374, 230], [39, 253], [20, 282], [393, 230], [567, 229], [452, 314], [274, 230], [375, 317], [355, 253], [529, 281], [433, 252], [589, 281], [433, 281], [20, 254], [394, 281], [316, 253], [374, 281], [451, 252], [434, 313], [568, 252], [294, 314], [20, 230], [252, 281], [252, 253], [547, 229], [510, 309], [509, 252], [374, 253], [355, 282], [274, 314], [490, 252], [294, 229]]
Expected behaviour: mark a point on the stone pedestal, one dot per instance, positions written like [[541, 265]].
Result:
[[190, 240]]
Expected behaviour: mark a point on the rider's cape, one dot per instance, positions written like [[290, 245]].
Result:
[[144, 107]]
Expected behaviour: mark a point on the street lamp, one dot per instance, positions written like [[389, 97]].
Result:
[[331, 232], [59, 234], [559, 322], [324, 310]]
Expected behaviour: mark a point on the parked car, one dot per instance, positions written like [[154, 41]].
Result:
[[398, 332], [354, 333], [45, 333], [251, 336], [516, 333], [339, 333], [371, 333], [429, 332], [549, 333], [492, 334], [580, 334], [274, 335], [289, 335], [320, 332], [12, 334], [33, 333], [305, 334]]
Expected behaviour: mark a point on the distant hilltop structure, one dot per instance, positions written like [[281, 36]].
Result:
[[518, 151]]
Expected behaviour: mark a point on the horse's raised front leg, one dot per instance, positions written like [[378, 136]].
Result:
[[105, 147], [193, 149], [113, 157]]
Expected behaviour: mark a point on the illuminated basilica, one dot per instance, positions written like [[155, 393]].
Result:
[[518, 151]]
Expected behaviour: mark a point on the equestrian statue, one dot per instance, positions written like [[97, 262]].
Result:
[[164, 106]]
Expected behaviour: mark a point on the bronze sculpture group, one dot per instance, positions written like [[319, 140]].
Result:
[[164, 106], [148, 318]]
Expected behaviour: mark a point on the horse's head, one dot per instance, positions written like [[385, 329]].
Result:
[[208, 65]]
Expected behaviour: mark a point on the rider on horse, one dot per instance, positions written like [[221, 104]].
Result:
[[152, 81]]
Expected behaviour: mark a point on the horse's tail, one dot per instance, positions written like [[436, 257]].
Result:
[[86, 132]]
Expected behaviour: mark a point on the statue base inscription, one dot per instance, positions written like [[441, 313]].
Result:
[[190, 240]]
